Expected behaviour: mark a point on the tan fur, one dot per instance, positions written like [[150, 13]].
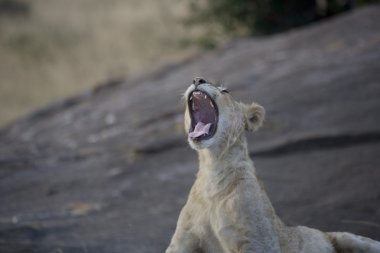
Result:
[[227, 211]]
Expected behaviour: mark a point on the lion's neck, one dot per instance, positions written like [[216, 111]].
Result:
[[220, 173], [229, 156], [222, 168]]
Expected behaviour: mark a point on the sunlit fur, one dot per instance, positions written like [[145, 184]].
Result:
[[227, 210]]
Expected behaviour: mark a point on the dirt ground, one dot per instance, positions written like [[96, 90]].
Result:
[[108, 170]]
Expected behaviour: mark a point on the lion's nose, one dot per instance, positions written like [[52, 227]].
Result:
[[199, 80]]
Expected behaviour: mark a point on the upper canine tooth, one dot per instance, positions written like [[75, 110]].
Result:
[[211, 104], [205, 97], [191, 98]]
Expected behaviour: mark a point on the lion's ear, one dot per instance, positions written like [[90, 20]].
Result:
[[253, 116]]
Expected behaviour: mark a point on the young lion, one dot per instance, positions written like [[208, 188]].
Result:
[[227, 210]]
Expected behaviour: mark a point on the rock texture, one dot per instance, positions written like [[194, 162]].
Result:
[[108, 171]]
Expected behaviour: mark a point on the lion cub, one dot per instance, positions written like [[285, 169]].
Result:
[[227, 211]]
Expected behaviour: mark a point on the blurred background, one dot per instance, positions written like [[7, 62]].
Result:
[[51, 49]]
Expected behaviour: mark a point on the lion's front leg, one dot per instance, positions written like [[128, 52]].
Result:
[[184, 240], [184, 243]]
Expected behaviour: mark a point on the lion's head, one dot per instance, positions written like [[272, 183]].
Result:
[[214, 119]]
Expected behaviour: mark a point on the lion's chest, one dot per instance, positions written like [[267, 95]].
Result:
[[212, 225]]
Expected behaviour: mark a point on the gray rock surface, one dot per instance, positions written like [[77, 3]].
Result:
[[108, 171]]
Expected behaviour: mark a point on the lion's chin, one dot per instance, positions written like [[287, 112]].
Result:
[[201, 144]]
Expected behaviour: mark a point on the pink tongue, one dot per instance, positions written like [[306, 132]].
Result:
[[200, 129]]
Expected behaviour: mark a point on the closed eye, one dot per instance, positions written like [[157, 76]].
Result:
[[223, 90]]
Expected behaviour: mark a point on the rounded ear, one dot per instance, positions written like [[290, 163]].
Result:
[[254, 115]]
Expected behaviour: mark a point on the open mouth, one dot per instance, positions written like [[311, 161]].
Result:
[[204, 116]]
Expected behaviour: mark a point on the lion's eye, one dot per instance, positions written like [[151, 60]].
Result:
[[222, 89]]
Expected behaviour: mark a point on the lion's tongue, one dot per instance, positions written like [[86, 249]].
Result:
[[200, 129]]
